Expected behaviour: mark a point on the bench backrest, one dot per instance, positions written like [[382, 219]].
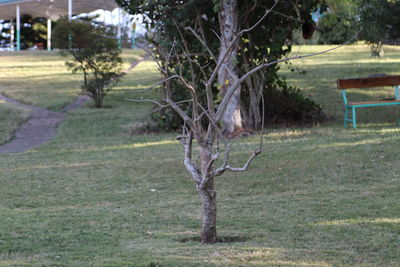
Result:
[[368, 82]]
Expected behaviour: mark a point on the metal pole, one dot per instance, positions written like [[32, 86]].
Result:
[[18, 29], [12, 32], [69, 10], [104, 14], [119, 29], [48, 34], [69, 19], [133, 45]]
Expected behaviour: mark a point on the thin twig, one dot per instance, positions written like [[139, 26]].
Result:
[[147, 100], [203, 42]]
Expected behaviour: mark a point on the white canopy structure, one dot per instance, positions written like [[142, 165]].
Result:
[[50, 9]]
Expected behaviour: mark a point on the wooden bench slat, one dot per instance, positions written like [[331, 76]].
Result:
[[373, 102], [368, 82]]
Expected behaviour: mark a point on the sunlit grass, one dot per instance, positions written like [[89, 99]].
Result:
[[42, 79], [10, 119], [362, 220]]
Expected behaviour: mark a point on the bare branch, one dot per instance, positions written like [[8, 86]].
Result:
[[148, 101], [216, 34], [154, 58], [221, 170], [185, 117], [170, 54], [187, 142], [165, 106], [214, 157], [214, 126], [262, 119], [203, 42], [237, 83], [185, 50], [233, 75], [159, 83], [259, 21], [286, 16]]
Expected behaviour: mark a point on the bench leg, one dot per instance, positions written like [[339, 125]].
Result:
[[346, 116], [354, 117]]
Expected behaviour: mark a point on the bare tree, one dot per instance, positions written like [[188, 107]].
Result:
[[204, 124]]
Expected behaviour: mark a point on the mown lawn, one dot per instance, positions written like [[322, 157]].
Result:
[[41, 78], [97, 195]]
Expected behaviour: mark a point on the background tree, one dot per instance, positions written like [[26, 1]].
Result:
[[379, 20], [94, 53], [198, 22], [33, 31], [339, 23]]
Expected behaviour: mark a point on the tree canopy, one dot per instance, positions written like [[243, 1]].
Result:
[[271, 40], [33, 31], [380, 20], [339, 23]]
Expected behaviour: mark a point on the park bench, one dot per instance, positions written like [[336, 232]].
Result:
[[344, 84]]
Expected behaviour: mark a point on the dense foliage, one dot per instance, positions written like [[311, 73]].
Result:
[[33, 32], [380, 20], [339, 23], [377, 19], [271, 40], [94, 54]]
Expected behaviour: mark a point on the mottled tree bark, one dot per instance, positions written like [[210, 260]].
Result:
[[209, 213], [208, 197], [228, 18]]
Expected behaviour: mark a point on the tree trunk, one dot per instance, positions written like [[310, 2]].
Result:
[[255, 86], [98, 101], [228, 18], [209, 213], [208, 198]]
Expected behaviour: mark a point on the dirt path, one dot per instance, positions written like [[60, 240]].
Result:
[[42, 124], [40, 128]]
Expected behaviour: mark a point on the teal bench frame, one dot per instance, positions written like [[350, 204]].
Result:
[[350, 107]]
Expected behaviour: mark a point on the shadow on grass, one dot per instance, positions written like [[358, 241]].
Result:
[[221, 239]]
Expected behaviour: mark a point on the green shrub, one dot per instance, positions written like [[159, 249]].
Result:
[[93, 52], [289, 106]]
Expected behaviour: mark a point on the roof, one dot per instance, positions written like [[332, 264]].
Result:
[[52, 9]]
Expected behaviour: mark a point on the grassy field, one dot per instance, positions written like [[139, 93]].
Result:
[[10, 119], [41, 79], [98, 196]]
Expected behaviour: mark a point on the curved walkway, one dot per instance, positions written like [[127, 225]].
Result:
[[42, 124], [40, 128]]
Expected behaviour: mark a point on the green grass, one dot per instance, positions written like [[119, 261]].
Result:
[[10, 119], [42, 79], [98, 196]]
